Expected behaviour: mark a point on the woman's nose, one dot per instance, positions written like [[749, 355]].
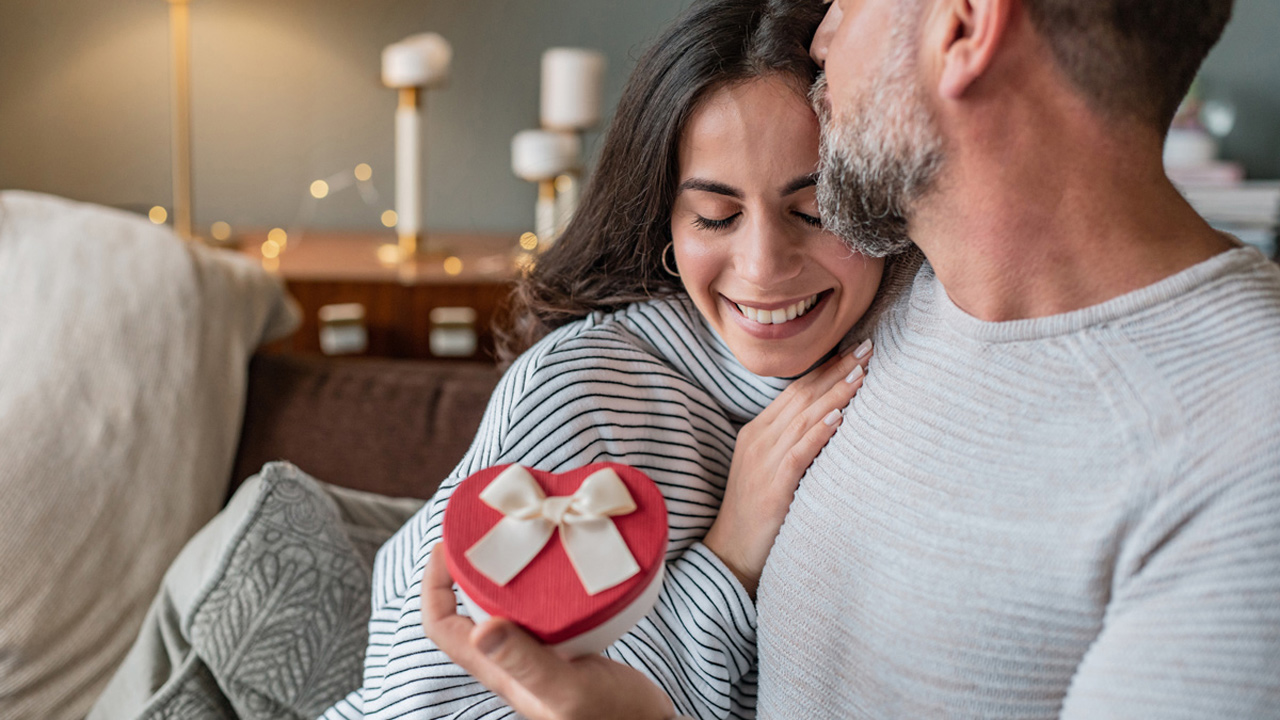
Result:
[[768, 255]]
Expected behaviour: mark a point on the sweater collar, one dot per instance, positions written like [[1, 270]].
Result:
[[930, 297]]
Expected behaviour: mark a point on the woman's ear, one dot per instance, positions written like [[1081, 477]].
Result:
[[969, 34]]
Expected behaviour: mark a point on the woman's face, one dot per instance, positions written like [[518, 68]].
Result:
[[749, 247]]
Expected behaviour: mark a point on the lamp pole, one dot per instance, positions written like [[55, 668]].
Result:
[[180, 42]]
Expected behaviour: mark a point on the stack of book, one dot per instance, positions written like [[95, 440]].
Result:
[[1250, 210]]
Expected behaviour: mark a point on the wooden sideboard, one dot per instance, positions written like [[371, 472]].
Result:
[[456, 271]]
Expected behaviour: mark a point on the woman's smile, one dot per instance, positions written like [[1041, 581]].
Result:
[[778, 288], [777, 321], [776, 313]]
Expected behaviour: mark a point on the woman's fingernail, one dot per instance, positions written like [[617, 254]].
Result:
[[863, 350], [857, 373], [832, 417]]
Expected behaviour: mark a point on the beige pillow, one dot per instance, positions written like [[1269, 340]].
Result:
[[123, 354]]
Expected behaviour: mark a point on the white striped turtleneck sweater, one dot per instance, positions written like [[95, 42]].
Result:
[[651, 386], [1071, 517]]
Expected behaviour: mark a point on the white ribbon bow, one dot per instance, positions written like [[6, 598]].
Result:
[[595, 547]]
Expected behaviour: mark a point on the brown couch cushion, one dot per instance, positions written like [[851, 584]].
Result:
[[395, 427]]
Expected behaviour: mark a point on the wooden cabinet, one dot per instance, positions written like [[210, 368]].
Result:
[[473, 272]]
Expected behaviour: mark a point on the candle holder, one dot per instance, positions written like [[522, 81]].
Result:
[[572, 80], [543, 157], [412, 66]]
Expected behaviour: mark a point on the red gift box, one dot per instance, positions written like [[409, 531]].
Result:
[[578, 607]]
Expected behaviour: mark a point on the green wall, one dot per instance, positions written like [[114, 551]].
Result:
[[287, 91], [1245, 69]]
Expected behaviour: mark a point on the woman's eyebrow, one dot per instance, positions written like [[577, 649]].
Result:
[[709, 186], [800, 183]]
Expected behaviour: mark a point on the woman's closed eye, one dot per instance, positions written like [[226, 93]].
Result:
[[713, 224], [807, 219]]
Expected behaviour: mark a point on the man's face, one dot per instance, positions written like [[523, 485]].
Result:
[[881, 148]]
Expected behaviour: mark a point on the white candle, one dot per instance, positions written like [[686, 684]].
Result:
[[572, 80], [408, 164], [543, 154], [417, 61]]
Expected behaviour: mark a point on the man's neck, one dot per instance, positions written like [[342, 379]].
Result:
[[1036, 223]]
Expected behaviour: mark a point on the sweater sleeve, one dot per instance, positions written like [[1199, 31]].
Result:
[[698, 643], [1193, 626]]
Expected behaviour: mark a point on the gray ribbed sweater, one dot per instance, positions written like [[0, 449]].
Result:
[[1075, 516]]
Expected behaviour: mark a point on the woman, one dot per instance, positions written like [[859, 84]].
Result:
[[694, 280]]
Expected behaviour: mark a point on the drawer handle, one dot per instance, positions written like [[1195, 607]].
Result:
[[453, 332], [342, 329]]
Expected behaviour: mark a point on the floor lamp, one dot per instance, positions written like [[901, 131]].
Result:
[[180, 42]]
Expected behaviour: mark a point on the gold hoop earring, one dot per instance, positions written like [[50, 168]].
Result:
[[670, 246]]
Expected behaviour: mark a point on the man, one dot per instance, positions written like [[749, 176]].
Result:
[[1058, 492]]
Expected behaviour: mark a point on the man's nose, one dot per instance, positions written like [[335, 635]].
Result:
[[822, 38]]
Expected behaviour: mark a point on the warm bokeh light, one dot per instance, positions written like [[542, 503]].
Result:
[[525, 263], [389, 254], [319, 189], [452, 266], [529, 241], [270, 250], [158, 215], [220, 231], [390, 218], [563, 183], [271, 265], [279, 237], [364, 172]]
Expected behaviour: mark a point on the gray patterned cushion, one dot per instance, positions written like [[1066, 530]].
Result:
[[280, 630]]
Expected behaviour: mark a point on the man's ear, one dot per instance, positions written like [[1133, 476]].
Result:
[[969, 34]]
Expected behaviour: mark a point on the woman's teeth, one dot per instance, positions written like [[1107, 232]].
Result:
[[777, 317]]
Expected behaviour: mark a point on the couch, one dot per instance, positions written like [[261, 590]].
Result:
[[393, 427], [132, 403]]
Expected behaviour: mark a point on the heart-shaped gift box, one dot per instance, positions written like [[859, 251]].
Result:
[[580, 591]]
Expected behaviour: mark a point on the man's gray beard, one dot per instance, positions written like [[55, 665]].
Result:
[[877, 159]]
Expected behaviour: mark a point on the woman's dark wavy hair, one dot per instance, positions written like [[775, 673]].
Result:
[[610, 253]]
